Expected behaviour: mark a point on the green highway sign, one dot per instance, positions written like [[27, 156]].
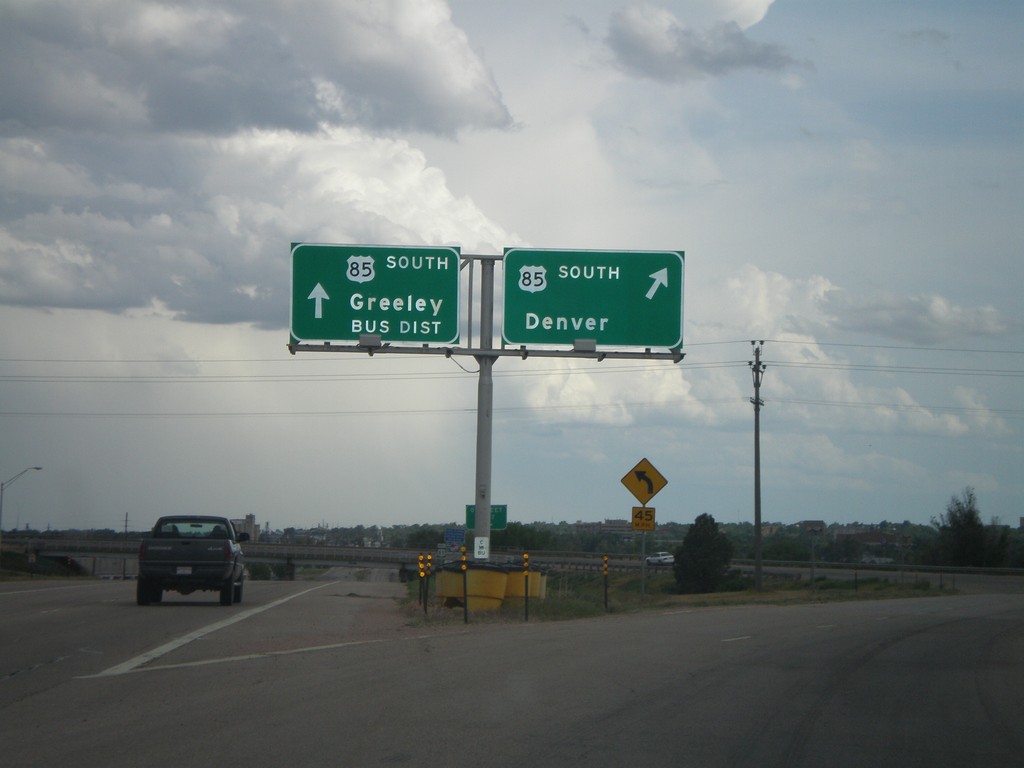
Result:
[[402, 293], [499, 516], [615, 298]]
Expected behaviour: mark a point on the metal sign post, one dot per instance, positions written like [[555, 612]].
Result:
[[484, 415], [644, 481]]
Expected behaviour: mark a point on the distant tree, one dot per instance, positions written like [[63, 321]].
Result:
[[522, 536], [1015, 549], [425, 537], [964, 540], [844, 550], [703, 558], [259, 571], [788, 545]]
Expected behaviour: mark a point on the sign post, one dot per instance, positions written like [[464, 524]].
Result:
[[397, 293], [644, 482], [610, 298]]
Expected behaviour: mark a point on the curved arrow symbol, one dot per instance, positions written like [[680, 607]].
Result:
[[642, 477], [318, 295], [660, 278]]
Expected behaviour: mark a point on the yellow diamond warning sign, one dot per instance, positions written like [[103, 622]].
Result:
[[644, 481]]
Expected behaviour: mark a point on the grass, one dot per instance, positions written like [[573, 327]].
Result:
[[18, 567], [581, 595]]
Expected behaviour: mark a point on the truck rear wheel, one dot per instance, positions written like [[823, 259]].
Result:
[[227, 593], [143, 592]]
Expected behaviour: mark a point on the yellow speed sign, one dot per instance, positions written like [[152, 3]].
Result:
[[643, 518]]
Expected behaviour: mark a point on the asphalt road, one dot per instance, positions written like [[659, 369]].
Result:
[[328, 674]]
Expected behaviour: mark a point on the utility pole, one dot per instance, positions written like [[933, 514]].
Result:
[[757, 370], [124, 560], [4, 485]]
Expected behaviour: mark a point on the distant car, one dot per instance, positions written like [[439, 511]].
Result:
[[661, 558]]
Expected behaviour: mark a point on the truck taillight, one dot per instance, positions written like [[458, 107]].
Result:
[[142, 550], [227, 552]]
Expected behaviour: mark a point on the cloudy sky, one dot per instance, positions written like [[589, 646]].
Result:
[[845, 179]]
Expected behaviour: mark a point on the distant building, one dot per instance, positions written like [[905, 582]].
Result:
[[620, 527], [248, 525]]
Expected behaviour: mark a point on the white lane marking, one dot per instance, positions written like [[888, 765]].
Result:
[[249, 656], [43, 589], [268, 654], [166, 648], [734, 639]]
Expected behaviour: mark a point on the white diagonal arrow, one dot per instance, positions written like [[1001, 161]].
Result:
[[660, 278], [318, 295]]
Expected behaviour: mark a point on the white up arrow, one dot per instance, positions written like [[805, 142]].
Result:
[[318, 295], [660, 278]]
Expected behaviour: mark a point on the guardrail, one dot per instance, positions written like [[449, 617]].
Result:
[[582, 561], [893, 567], [315, 554]]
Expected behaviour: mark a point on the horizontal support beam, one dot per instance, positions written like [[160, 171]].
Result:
[[674, 355]]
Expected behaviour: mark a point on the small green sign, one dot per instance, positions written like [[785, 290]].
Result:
[[408, 294], [615, 298], [499, 516]]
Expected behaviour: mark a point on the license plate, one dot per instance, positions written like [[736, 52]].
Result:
[[184, 570]]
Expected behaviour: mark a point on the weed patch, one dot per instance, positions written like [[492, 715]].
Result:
[[575, 595]]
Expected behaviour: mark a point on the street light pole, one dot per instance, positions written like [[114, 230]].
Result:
[[757, 370], [3, 486]]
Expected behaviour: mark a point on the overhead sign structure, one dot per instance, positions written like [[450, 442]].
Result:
[[644, 482], [401, 293], [614, 298]]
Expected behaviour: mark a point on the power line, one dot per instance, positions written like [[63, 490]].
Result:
[[289, 360], [326, 377], [420, 376], [902, 369], [1008, 413], [954, 350]]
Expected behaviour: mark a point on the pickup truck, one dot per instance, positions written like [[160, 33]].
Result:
[[189, 552]]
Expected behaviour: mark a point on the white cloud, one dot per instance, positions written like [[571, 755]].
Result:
[[921, 319], [25, 166], [979, 412], [765, 304], [156, 158], [746, 13], [117, 65], [802, 462], [649, 41], [217, 249]]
